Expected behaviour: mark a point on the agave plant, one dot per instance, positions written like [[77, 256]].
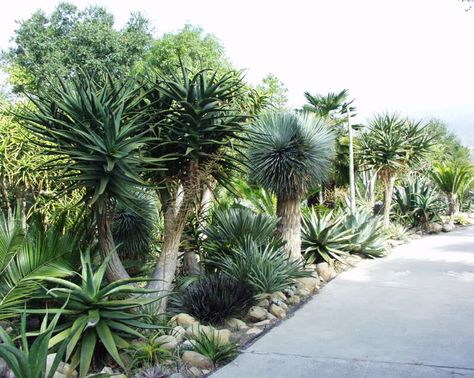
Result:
[[369, 235], [213, 348], [96, 313], [453, 179], [265, 269], [28, 257], [29, 361], [290, 154], [324, 238]]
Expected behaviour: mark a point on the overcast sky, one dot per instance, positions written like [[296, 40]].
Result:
[[411, 56]]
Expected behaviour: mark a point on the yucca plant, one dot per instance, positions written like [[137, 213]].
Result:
[[369, 235], [290, 154], [214, 349], [95, 313], [29, 256], [214, 298], [391, 145], [265, 269], [453, 179], [29, 361], [323, 237]]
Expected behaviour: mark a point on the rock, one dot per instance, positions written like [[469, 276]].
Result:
[[195, 330], [279, 295], [302, 292], [183, 320], [195, 372], [257, 314], [237, 324], [187, 344], [63, 370], [295, 299], [435, 228], [448, 227], [254, 331], [205, 371], [471, 215], [222, 335], [308, 283], [289, 292], [167, 342], [277, 311], [325, 271], [178, 332], [262, 323], [107, 370], [197, 360], [264, 303], [271, 317]]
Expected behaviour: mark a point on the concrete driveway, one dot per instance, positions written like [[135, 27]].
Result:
[[408, 315]]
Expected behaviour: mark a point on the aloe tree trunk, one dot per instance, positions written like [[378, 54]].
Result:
[[452, 204], [388, 180], [289, 228], [115, 269]]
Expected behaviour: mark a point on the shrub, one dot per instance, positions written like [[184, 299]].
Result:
[[148, 352], [151, 372], [265, 268], [95, 314], [214, 349], [213, 298], [397, 231], [323, 239], [369, 236], [461, 219]]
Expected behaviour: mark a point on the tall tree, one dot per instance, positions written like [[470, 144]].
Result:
[[48, 46], [391, 145], [276, 91], [289, 154]]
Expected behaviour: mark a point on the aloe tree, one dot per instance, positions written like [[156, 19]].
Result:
[[290, 154], [198, 125], [390, 146], [453, 179], [94, 134]]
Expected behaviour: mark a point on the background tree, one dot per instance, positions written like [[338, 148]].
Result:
[[50, 46], [289, 154], [391, 145], [448, 147], [276, 91]]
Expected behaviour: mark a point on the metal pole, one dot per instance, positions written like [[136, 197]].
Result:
[[351, 164]]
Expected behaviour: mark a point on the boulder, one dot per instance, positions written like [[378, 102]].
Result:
[[448, 227], [63, 370], [257, 314], [178, 332], [302, 292], [435, 228], [325, 271], [195, 330], [295, 299], [254, 331], [222, 335], [278, 295], [262, 323], [183, 320], [195, 372], [271, 317], [308, 283], [264, 303], [277, 311], [237, 324], [167, 342], [197, 360]]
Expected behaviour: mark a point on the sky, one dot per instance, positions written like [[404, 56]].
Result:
[[415, 57]]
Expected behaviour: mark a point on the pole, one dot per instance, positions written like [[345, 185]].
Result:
[[351, 164]]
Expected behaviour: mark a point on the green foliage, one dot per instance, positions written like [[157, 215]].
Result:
[[94, 134], [258, 199], [397, 231], [214, 349], [323, 238], [151, 372], [265, 268], [50, 46], [369, 236], [96, 313], [416, 202], [330, 107], [461, 219], [453, 178], [29, 361], [196, 50], [448, 147], [275, 90], [229, 229], [290, 153], [27, 259], [148, 352], [214, 298]]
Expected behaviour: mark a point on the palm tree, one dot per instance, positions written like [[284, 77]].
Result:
[[199, 124], [94, 134], [391, 145], [289, 154], [453, 179]]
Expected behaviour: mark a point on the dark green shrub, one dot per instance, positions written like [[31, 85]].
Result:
[[213, 298]]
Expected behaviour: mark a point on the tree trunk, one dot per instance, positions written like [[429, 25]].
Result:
[[289, 212], [452, 204], [115, 269], [389, 182]]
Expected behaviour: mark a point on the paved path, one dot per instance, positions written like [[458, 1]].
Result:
[[409, 315]]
